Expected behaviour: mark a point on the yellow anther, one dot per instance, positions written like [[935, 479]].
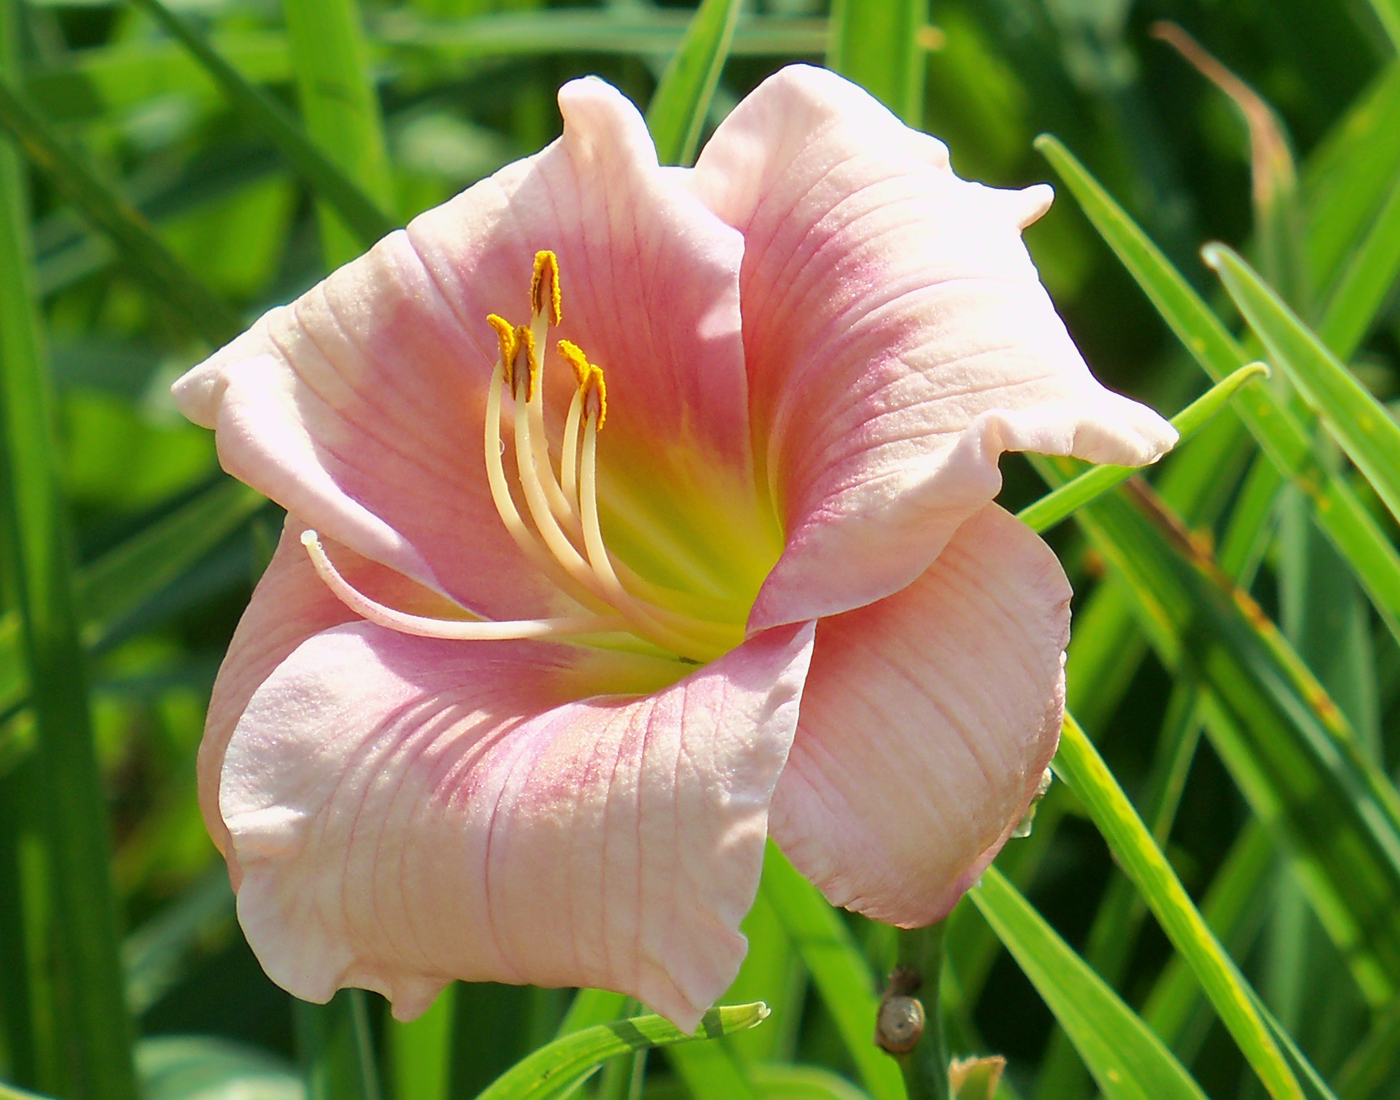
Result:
[[544, 287], [505, 336], [573, 355], [525, 341], [595, 396]]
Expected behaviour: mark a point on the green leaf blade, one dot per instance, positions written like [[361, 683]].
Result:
[[839, 971], [553, 1067], [1125, 1058], [1361, 424], [340, 104], [876, 44], [145, 254], [1333, 505], [1287, 746], [87, 994], [1084, 770], [676, 114], [359, 212]]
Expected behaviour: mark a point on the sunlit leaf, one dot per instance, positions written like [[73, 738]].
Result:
[[1126, 1059], [676, 114], [558, 1065]]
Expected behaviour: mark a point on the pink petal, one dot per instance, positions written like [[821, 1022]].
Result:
[[926, 723], [408, 811], [898, 339], [359, 406], [289, 605]]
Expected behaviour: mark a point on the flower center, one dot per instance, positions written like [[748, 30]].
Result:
[[558, 529]]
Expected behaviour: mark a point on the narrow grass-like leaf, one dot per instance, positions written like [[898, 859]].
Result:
[[591, 1007], [340, 105], [121, 580], [155, 954], [1080, 765], [86, 975], [772, 973], [89, 83], [360, 213], [552, 1068], [1109, 946], [186, 1067], [1233, 908], [1248, 532], [1290, 750], [1335, 507], [116, 583], [676, 113], [1278, 228], [1373, 1062], [1194, 323], [10, 1092], [336, 1049], [777, 1081], [789, 1082], [876, 44], [1360, 423], [1059, 504], [1346, 176], [420, 1052], [650, 33], [839, 971], [1365, 280], [145, 254], [1388, 12], [1314, 1087], [1126, 1059], [28, 1028], [711, 1069]]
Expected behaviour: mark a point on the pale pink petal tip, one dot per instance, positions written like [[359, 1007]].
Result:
[[1032, 203]]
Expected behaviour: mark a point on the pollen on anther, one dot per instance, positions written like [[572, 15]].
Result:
[[544, 287], [525, 341], [573, 355], [595, 396], [505, 336]]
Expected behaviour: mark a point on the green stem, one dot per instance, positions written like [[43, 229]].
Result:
[[918, 971]]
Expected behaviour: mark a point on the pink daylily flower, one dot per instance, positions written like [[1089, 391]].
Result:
[[549, 649]]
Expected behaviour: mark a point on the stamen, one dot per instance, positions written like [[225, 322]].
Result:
[[563, 535], [568, 459], [595, 397], [559, 504], [423, 626], [527, 461], [505, 337], [572, 354], [544, 287], [505, 504], [525, 341]]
